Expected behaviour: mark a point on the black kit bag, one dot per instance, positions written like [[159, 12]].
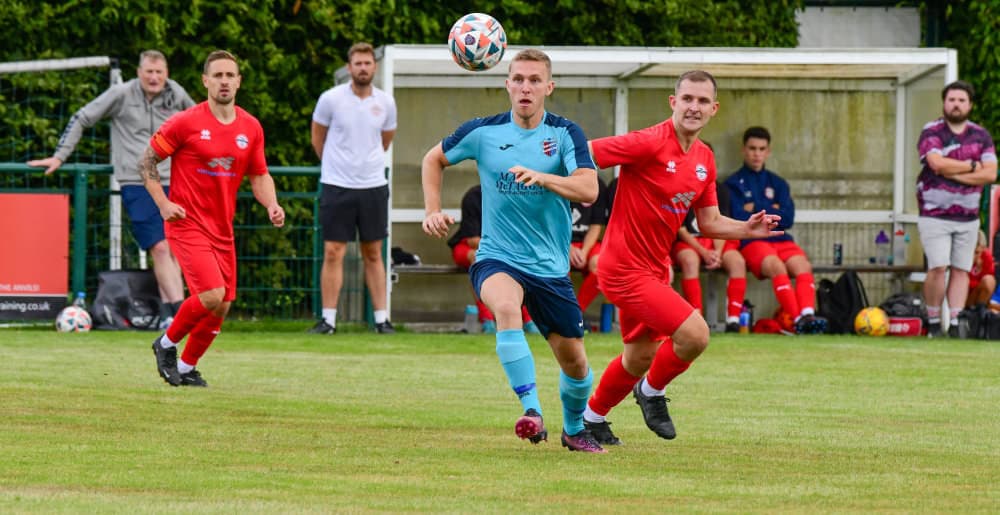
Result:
[[126, 299], [841, 300]]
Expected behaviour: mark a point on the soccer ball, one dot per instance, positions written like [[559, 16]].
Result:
[[73, 319], [477, 42], [871, 322]]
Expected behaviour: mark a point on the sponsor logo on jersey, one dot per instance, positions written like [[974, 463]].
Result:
[[224, 162], [206, 134], [680, 203], [671, 167], [505, 146], [242, 141], [549, 146]]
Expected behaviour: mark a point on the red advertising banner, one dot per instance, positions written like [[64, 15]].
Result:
[[34, 255]]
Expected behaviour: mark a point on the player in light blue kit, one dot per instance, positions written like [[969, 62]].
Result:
[[532, 164]]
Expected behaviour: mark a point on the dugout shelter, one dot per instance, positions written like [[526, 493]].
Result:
[[844, 124]]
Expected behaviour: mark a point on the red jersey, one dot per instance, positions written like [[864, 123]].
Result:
[[985, 267], [657, 185], [208, 162]]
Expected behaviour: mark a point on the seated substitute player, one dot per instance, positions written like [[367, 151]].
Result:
[[589, 220], [692, 249], [982, 279], [753, 188], [463, 245], [532, 164]]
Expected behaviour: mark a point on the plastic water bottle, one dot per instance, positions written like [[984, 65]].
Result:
[[81, 300], [745, 320], [471, 324], [899, 241], [882, 248]]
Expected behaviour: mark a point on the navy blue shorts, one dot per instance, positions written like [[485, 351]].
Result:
[[147, 224], [550, 300]]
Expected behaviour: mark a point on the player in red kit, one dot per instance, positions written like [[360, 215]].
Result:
[[212, 146], [666, 171]]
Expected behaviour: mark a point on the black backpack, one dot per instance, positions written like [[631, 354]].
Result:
[[840, 301], [126, 299], [905, 305]]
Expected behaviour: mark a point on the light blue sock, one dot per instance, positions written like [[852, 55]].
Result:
[[574, 394], [519, 365]]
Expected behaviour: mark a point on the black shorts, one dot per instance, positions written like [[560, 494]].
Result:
[[345, 213]]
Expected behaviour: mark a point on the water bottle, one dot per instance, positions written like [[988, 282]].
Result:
[[899, 241], [80, 300], [745, 319], [882, 248], [471, 324]]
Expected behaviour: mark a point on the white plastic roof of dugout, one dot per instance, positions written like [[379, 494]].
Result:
[[622, 68]]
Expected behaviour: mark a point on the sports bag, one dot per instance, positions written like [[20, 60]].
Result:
[[840, 301], [126, 299]]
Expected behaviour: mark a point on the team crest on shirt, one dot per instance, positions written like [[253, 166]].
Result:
[[376, 110], [206, 135], [242, 141], [549, 146], [701, 172], [769, 193], [671, 167]]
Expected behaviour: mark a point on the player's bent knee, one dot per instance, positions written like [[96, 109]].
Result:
[[691, 338]]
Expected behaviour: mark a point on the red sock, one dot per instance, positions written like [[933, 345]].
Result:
[[484, 312], [736, 289], [666, 366], [201, 337], [805, 291], [588, 291], [188, 316], [525, 317], [786, 296], [692, 292], [616, 383]]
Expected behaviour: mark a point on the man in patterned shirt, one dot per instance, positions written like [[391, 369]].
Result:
[[958, 158]]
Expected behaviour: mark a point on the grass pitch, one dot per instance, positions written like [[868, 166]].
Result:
[[365, 423]]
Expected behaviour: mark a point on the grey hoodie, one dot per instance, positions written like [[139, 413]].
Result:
[[133, 121]]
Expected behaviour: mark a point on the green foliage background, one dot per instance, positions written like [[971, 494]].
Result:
[[290, 48]]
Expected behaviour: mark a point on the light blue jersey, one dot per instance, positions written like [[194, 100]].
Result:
[[528, 227]]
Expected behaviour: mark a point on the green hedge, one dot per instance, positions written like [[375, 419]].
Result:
[[290, 49]]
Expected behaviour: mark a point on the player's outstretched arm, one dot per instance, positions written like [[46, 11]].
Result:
[[265, 193], [431, 177], [151, 180], [579, 186], [714, 225]]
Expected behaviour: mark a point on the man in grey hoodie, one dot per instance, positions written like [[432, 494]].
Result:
[[136, 108]]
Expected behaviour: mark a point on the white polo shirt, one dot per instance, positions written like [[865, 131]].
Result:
[[352, 153]]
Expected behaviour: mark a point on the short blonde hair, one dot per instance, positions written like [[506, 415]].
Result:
[[531, 54]]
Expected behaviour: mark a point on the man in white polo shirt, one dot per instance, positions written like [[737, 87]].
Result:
[[352, 127]]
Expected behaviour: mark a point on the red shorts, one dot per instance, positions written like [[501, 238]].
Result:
[[755, 252], [205, 266], [594, 251], [649, 308], [707, 243], [460, 254]]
